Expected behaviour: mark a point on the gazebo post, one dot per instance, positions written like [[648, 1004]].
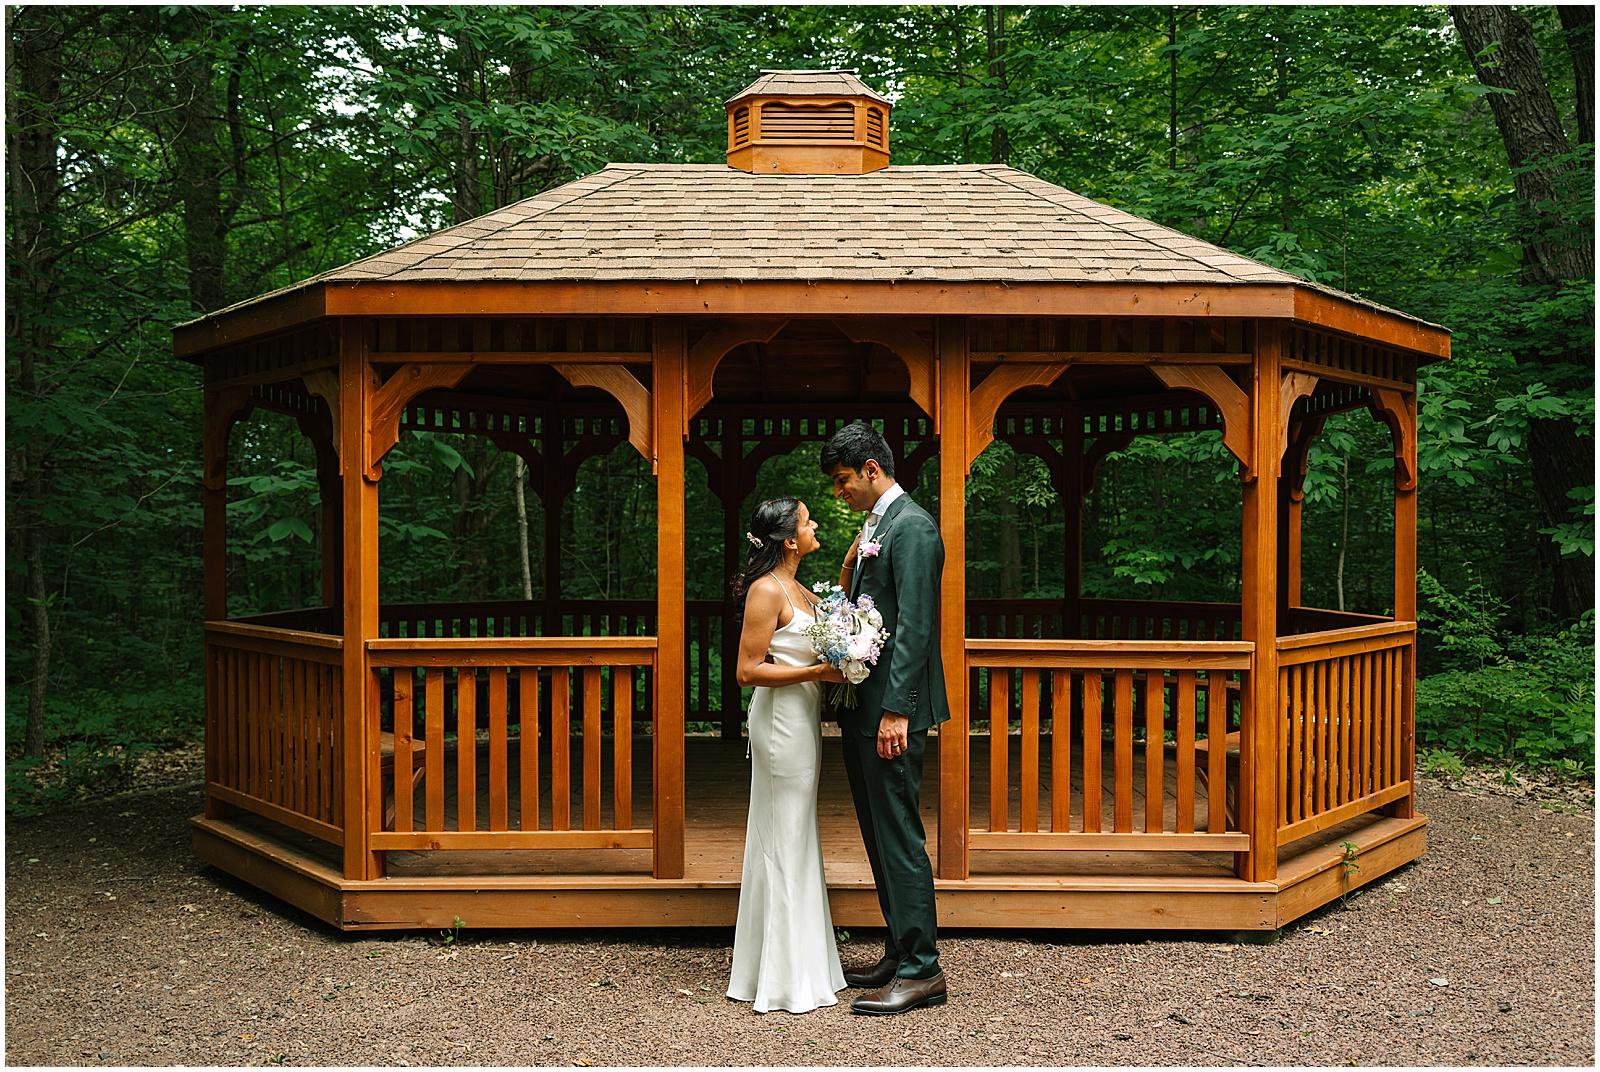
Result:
[[214, 559], [670, 346], [1258, 759], [359, 761], [1405, 593], [552, 490], [954, 389], [1072, 494]]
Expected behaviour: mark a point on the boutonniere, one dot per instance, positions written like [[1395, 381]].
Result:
[[870, 549]]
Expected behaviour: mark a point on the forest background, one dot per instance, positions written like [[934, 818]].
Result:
[[163, 162]]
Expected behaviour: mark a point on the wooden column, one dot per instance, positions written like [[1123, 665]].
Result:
[[214, 563], [1072, 492], [359, 758], [732, 484], [551, 495], [669, 360], [1259, 759], [954, 780], [1405, 596]]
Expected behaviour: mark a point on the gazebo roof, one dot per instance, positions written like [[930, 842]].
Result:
[[694, 222], [808, 83]]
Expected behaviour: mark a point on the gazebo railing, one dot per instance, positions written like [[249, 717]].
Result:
[[1067, 704], [273, 734], [564, 780], [1346, 731], [1102, 619]]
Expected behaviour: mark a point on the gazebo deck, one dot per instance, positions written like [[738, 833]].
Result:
[[579, 887]]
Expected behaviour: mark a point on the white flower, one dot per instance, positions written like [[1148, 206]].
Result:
[[855, 671]]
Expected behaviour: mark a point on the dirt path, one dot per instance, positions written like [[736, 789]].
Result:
[[122, 949]]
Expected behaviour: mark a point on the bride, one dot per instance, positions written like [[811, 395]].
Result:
[[783, 949]]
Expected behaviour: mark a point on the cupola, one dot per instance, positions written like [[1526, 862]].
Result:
[[808, 123]]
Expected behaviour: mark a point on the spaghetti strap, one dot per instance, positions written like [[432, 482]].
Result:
[[786, 595]]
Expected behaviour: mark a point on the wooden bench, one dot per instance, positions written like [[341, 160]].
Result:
[[386, 771]]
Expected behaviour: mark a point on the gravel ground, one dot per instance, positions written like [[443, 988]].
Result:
[[123, 950]]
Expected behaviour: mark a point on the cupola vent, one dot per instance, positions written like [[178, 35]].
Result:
[[808, 123]]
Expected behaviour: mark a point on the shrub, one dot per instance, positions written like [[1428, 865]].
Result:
[[1506, 696]]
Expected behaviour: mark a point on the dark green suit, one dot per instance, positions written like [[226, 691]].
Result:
[[903, 580]]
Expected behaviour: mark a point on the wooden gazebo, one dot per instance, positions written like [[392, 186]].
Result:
[[1165, 765]]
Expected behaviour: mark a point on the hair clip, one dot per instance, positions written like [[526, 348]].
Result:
[[754, 542]]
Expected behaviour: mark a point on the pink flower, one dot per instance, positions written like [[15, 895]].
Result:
[[870, 549]]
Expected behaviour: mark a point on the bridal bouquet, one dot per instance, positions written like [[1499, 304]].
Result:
[[848, 635]]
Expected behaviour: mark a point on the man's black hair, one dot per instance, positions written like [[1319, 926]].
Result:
[[852, 445]]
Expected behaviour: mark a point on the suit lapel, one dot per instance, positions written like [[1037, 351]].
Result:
[[882, 531]]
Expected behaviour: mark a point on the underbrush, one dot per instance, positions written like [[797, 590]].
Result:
[[1519, 698], [95, 741]]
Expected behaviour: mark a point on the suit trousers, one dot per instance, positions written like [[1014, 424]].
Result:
[[887, 795]]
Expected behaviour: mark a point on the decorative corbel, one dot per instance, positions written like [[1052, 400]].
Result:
[[1104, 444], [1297, 454], [1295, 386], [223, 409], [917, 356], [324, 384], [390, 400], [1398, 410], [996, 387], [1231, 403], [622, 385], [705, 355]]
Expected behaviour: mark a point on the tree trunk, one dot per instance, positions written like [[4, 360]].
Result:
[[994, 23], [522, 529], [201, 164], [34, 39], [1578, 22], [1555, 192]]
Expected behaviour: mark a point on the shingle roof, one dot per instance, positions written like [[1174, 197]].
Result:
[[652, 222], [808, 83]]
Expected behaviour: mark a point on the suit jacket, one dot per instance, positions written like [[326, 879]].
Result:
[[903, 580]]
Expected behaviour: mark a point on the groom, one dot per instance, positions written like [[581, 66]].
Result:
[[897, 560]]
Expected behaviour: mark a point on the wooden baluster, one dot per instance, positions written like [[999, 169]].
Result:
[[404, 681], [1324, 737], [1369, 777], [1155, 766], [1347, 710], [560, 749], [1061, 751], [1028, 793], [1216, 751], [1122, 746], [1334, 715], [1393, 703], [622, 747], [591, 746], [333, 700], [499, 809], [1093, 750], [999, 748], [1294, 691], [528, 801], [433, 716], [289, 695], [1184, 821], [232, 705], [466, 748]]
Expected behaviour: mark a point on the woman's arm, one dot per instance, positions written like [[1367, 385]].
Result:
[[852, 562], [763, 603]]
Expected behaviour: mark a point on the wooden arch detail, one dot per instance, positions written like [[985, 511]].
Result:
[[389, 400], [995, 388], [1232, 404], [907, 345], [223, 409], [622, 385], [1398, 410], [705, 355]]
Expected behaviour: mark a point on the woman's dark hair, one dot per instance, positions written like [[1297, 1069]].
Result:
[[773, 522], [852, 445]]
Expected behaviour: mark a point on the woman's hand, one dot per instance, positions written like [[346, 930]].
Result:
[[852, 554], [829, 673]]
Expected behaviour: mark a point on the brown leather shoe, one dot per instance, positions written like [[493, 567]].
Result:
[[902, 995], [872, 976]]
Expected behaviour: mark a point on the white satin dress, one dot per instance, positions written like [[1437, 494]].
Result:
[[784, 955]]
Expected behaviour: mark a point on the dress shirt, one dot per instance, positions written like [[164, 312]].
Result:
[[875, 515]]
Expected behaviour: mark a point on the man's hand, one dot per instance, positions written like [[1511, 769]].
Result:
[[892, 735]]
